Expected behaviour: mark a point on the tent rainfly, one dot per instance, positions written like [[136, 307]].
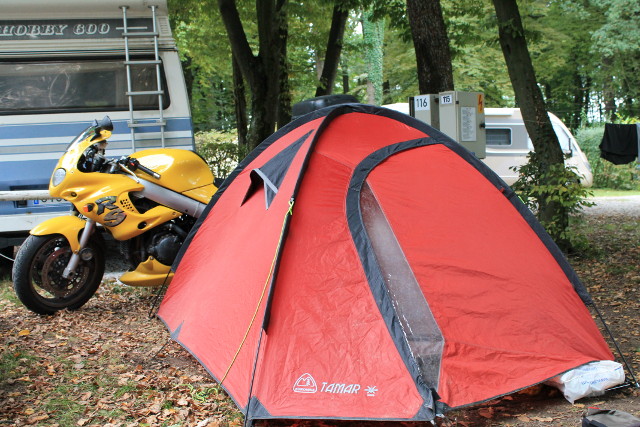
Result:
[[361, 265]]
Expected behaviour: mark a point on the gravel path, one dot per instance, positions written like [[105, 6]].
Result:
[[613, 206]]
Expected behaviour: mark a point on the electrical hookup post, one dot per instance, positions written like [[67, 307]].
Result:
[[458, 114]]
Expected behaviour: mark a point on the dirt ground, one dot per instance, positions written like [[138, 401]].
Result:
[[109, 364]]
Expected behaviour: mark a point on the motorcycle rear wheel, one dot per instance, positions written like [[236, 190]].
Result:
[[37, 274]]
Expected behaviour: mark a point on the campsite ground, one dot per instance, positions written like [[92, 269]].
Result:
[[108, 364]]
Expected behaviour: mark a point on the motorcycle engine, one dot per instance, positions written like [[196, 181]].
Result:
[[165, 246], [162, 242]]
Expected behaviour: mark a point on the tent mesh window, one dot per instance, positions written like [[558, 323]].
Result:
[[419, 327]]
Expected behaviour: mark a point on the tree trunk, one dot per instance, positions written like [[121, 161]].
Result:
[[579, 88], [345, 77], [608, 92], [431, 43], [334, 48], [529, 98], [240, 99], [262, 73], [284, 95]]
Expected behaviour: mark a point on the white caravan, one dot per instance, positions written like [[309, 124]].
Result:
[[508, 143], [64, 63]]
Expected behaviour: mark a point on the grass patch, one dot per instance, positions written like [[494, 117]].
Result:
[[7, 295], [14, 363], [607, 192], [64, 410]]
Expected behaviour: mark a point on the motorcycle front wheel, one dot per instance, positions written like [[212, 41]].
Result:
[[37, 274]]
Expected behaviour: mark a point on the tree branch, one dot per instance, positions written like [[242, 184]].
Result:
[[334, 48], [246, 61]]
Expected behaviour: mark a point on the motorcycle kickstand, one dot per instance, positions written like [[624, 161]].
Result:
[[89, 227]]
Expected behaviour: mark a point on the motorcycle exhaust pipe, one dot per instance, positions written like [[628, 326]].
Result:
[[171, 199]]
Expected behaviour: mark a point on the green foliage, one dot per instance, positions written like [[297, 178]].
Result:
[[606, 174], [399, 67], [612, 38], [477, 60], [584, 53], [615, 48], [562, 58], [373, 32], [309, 24], [541, 184], [220, 150]]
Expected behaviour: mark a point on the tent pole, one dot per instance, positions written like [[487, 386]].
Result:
[[615, 343], [270, 280], [247, 420]]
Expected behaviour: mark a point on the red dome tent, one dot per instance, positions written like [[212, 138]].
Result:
[[362, 265]]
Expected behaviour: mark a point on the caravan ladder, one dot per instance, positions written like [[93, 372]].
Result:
[[130, 32]]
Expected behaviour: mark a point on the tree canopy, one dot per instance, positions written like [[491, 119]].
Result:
[[585, 52]]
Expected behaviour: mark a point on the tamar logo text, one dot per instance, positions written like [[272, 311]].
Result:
[[339, 388]]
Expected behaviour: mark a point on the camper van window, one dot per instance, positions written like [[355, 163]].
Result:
[[74, 85], [500, 137]]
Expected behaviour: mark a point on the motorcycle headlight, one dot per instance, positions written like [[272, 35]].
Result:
[[58, 177]]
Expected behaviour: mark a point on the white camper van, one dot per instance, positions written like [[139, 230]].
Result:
[[508, 143], [64, 63]]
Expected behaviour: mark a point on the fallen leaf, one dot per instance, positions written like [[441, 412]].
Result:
[[33, 420], [486, 413], [24, 332], [544, 420]]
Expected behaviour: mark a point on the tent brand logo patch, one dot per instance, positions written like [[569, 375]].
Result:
[[305, 384]]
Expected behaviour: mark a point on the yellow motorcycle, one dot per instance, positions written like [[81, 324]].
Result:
[[148, 201]]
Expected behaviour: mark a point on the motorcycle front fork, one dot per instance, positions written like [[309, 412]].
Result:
[[88, 230]]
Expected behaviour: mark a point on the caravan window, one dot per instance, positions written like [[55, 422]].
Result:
[[501, 137], [74, 85]]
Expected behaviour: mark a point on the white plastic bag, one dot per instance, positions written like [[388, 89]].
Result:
[[591, 379]]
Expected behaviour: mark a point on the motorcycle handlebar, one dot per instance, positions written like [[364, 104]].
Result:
[[134, 164], [146, 170]]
